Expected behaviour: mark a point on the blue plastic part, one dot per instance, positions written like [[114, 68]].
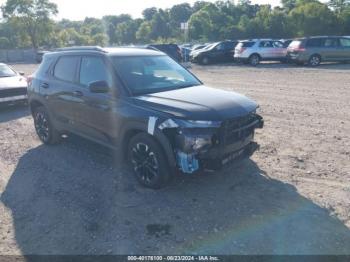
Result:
[[187, 162]]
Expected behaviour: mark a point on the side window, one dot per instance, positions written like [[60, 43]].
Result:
[[345, 42], [330, 42], [220, 47], [229, 45], [265, 44], [65, 68], [315, 42], [93, 69], [277, 44]]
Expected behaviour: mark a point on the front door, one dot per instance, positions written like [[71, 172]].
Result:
[[96, 115], [344, 48]]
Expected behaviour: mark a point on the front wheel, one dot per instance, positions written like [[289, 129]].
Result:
[[44, 128], [148, 162], [205, 60]]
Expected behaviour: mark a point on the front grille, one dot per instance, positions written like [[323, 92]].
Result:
[[234, 130], [13, 92]]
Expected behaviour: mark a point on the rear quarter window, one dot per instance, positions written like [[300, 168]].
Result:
[[315, 42], [246, 44], [65, 68]]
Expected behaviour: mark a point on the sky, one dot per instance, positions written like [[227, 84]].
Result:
[[79, 9]]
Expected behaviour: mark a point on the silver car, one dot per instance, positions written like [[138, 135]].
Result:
[[13, 86], [256, 50]]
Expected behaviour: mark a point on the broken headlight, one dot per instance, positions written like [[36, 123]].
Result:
[[194, 140], [198, 123]]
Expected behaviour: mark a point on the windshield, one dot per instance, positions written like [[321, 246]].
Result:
[[6, 71], [210, 46], [151, 74]]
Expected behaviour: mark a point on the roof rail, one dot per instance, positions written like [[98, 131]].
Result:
[[81, 48]]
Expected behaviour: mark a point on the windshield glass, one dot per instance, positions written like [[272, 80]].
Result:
[[6, 71], [210, 46], [151, 74]]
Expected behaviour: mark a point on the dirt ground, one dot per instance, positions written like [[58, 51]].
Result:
[[291, 197]]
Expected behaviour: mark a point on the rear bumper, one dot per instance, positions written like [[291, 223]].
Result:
[[296, 57]]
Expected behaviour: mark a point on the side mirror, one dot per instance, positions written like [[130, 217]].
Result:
[[21, 73], [99, 87]]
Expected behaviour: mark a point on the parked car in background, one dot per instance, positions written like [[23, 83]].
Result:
[[314, 50], [13, 85], [143, 103], [286, 42], [217, 52], [256, 50], [172, 50], [185, 54], [197, 47]]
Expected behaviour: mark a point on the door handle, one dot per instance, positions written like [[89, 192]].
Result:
[[45, 85], [78, 93]]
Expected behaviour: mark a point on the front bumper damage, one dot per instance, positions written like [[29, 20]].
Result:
[[211, 147]]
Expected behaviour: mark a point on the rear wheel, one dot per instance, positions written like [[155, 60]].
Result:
[[44, 128], [315, 60], [254, 60], [148, 161]]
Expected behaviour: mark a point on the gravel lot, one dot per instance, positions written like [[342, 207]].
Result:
[[292, 197]]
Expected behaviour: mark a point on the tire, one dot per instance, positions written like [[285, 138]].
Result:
[[147, 161], [314, 60], [205, 60], [44, 128], [254, 60]]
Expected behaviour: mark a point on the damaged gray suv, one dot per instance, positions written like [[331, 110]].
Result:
[[143, 103]]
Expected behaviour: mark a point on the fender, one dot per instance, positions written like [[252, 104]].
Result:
[[139, 126]]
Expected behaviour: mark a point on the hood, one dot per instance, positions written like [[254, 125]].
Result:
[[199, 103], [13, 81]]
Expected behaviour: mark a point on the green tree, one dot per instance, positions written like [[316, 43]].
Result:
[[148, 13], [339, 5], [313, 18], [33, 16], [180, 13]]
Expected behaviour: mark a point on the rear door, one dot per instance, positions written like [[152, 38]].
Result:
[[229, 51], [59, 89], [266, 49], [331, 50], [316, 46], [279, 51], [345, 48], [218, 53]]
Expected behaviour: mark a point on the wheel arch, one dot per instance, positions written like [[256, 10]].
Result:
[[33, 104], [255, 54], [159, 137], [315, 54]]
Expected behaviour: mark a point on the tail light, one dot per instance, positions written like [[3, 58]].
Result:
[[240, 50], [29, 80], [179, 52], [298, 48]]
